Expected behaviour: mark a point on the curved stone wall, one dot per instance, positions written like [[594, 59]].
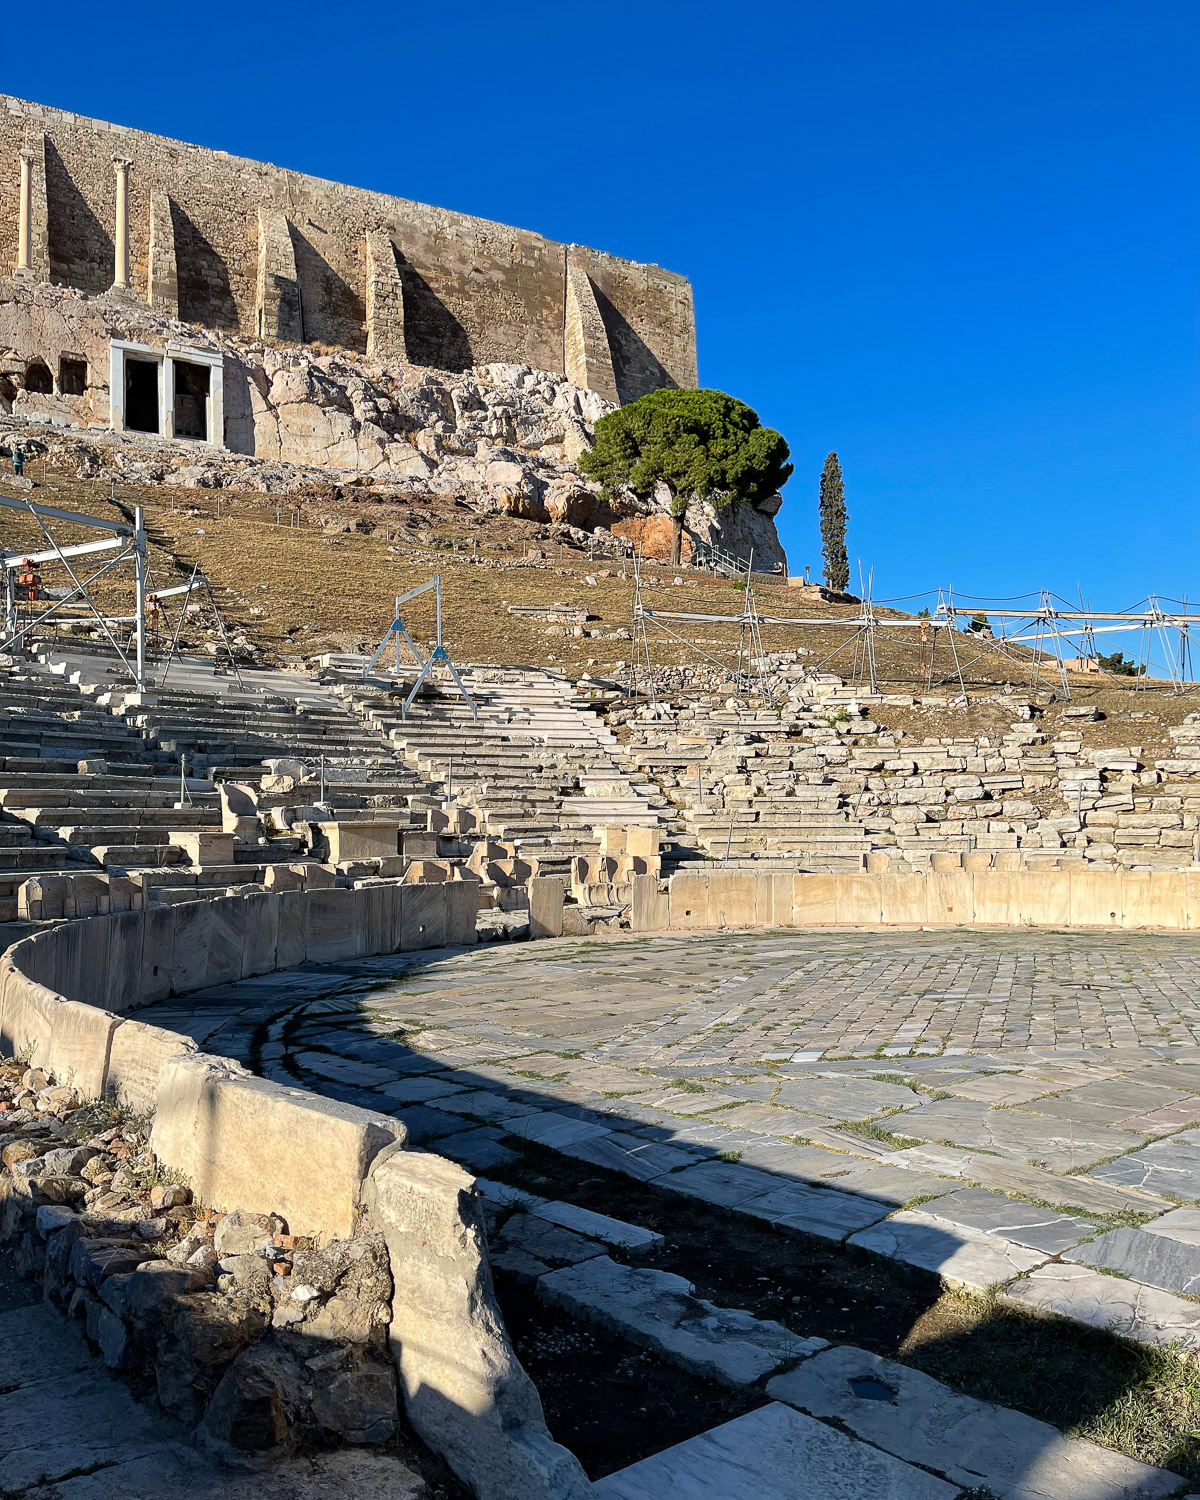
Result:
[[958, 898], [244, 1142]]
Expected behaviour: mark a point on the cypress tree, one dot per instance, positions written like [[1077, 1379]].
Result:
[[833, 525]]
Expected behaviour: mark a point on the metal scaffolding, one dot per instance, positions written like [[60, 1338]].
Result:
[[439, 656], [1040, 629]]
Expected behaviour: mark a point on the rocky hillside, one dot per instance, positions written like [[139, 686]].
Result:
[[500, 439]]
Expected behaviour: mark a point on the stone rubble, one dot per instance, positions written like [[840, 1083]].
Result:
[[261, 1341]]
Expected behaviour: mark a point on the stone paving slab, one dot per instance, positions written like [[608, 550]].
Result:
[[553, 1129], [679, 1102], [1010, 1219], [1078, 1191], [770, 1119], [1153, 1259], [1170, 1167], [844, 1098], [968, 1442], [891, 1185], [774, 1453], [960, 1255], [644, 1161], [659, 1310], [1013, 1133], [824, 1212], [630, 1237], [1109, 1303]]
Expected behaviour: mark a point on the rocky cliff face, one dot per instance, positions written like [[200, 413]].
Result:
[[500, 438]]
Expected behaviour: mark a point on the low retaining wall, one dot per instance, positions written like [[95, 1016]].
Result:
[[244, 1142], [957, 898]]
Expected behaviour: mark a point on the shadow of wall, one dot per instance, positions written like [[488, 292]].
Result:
[[205, 293], [334, 312], [82, 253], [637, 369], [432, 334]]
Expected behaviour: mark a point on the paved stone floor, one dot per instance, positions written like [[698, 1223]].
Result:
[[715, 999], [1006, 1109]]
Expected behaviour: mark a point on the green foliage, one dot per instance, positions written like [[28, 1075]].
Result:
[[702, 445], [1118, 666], [833, 525], [978, 623]]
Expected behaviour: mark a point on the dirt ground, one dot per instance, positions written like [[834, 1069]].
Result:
[[1144, 1402], [296, 587]]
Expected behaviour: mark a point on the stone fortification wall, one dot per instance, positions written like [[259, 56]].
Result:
[[244, 1143], [248, 247]]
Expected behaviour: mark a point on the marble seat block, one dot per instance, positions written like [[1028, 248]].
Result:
[[123, 981], [423, 917], [959, 1255], [269, 1137], [546, 894], [226, 935], [260, 914], [462, 906], [1110, 1303], [136, 1059], [206, 847], [969, 1442], [774, 1453], [332, 925], [189, 946], [350, 841]]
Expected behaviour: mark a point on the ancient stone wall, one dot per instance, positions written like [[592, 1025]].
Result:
[[474, 291]]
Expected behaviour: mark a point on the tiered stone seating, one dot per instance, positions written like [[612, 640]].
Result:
[[541, 770]]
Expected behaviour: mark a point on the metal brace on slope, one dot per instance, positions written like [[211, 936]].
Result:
[[439, 654]]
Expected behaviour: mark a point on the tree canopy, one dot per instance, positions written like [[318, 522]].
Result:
[[702, 445]]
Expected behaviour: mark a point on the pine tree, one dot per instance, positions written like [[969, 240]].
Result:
[[703, 445], [833, 525]]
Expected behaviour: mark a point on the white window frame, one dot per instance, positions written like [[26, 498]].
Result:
[[119, 351]]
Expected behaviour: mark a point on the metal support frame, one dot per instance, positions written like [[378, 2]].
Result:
[[439, 656], [131, 542]]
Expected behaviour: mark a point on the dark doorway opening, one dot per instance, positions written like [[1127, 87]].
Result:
[[191, 401], [38, 378], [72, 376], [141, 395]]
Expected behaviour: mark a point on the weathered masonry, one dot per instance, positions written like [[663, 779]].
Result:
[[248, 248]]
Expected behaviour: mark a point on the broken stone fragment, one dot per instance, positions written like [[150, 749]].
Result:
[[359, 1405], [241, 1233]]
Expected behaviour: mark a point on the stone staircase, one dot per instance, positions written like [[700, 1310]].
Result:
[[540, 769]]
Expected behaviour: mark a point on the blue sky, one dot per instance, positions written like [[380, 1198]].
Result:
[[955, 241]]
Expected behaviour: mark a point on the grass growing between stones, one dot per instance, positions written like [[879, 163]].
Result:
[[870, 1131], [1141, 1401]]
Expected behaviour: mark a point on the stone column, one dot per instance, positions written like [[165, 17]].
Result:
[[121, 274], [26, 213]]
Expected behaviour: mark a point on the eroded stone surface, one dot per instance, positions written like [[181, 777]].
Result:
[[960, 1255], [1156, 1259], [661, 1311], [1010, 1219], [969, 1442], [775, 1453], [1171, 1166], [1110, 1303]]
